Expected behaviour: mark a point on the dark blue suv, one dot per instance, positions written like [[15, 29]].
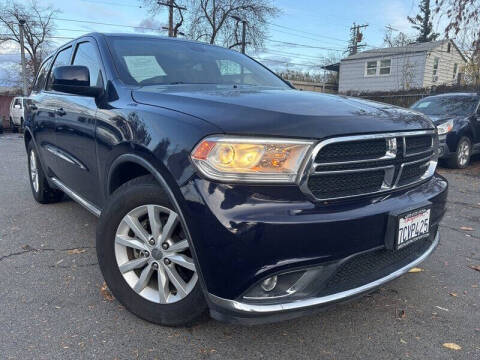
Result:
[[219, 187]]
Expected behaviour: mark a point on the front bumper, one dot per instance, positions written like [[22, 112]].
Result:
[[244, 234], [248, 313]]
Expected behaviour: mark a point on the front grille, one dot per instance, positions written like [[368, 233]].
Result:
[[416, 144], [413, 172], [348, 151], [339, 185], [368, 267], [369, 164]]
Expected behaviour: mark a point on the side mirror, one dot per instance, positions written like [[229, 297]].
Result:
[[74, 79]]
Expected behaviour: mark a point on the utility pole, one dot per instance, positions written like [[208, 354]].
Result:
[[22, 51], [356, 38], [244, 31], [171, 5]]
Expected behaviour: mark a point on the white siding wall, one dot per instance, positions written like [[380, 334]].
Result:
[[445, 65], [404, 68]]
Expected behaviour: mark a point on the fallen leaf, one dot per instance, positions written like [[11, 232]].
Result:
[[466, 228], [403, 341], [452, 346], [441, 308], [401, 314], [474, 267], [453, 294], [415, 270], [107, 295], [75, 251]]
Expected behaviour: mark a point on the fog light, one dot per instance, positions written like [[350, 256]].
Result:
[[269, 283]]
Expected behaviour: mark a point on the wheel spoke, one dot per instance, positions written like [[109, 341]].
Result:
[[132, 265], [169, 227], [130, 242], [144, 278], [179, 246], [183, 261], [163, 289], [137, 228], [155, 223], [176, 280]]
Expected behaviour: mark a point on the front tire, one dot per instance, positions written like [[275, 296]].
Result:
[[145, 256], [461, 158], [41, 190]]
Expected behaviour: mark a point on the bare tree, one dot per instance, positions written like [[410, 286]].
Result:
[[154, 8], [211, 21], [391, 40], [38, 29], [464, 24]]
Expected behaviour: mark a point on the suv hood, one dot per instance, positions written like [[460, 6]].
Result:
[[249, 110]]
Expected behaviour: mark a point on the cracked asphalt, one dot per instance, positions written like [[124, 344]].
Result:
[[52, 306]]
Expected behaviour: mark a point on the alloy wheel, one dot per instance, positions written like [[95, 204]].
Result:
[[34, 171], [463, 153], [153, 254]]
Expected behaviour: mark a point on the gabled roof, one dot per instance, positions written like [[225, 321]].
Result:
[[401, 50]]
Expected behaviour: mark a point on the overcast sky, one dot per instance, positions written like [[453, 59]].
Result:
[[324, 26]]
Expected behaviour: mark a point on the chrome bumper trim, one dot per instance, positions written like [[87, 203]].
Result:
[[259, 309]]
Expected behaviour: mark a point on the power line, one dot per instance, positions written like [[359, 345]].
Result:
[[108, 24], [308, 33]]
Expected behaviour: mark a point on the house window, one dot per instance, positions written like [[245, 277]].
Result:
[[435, 69], [371, 68], [455, 70], [385, 67], [378, 67]]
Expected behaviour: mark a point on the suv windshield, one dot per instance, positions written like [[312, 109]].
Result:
[[149, 61], [447, 105]]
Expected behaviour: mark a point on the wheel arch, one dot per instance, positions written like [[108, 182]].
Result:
[[173, 192]]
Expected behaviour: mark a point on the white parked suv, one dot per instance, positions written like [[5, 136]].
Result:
[[17, 113]]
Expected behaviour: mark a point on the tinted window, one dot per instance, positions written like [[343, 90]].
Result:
[[86, 55], [42, 77], [147, 61], [447, 105], [17, 102], [62, 59]]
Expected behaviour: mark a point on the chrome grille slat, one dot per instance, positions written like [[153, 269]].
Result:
[[393, 163]]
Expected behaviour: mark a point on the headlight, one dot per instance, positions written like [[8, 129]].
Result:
[[445, 127], [239, 159]]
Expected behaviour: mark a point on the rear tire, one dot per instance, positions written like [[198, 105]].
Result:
[[41, 190], [461, 158], [161, 298]]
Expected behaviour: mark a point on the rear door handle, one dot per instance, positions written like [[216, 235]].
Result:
[[60, 112]]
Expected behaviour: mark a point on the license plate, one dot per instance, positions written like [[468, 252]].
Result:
[[413, 226]]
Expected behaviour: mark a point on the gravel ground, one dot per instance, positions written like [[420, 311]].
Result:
[[52, 305]]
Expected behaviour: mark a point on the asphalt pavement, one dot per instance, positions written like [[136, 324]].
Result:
[[52, 305]]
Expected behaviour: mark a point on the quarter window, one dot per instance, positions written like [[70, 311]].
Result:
[[42, 77], [86, 55], [62, 59]]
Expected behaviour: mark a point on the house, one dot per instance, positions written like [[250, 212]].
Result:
[[418, 65]]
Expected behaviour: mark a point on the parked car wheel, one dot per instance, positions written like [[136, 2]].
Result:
[[41, 190], [145, 256], [461, 158]]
